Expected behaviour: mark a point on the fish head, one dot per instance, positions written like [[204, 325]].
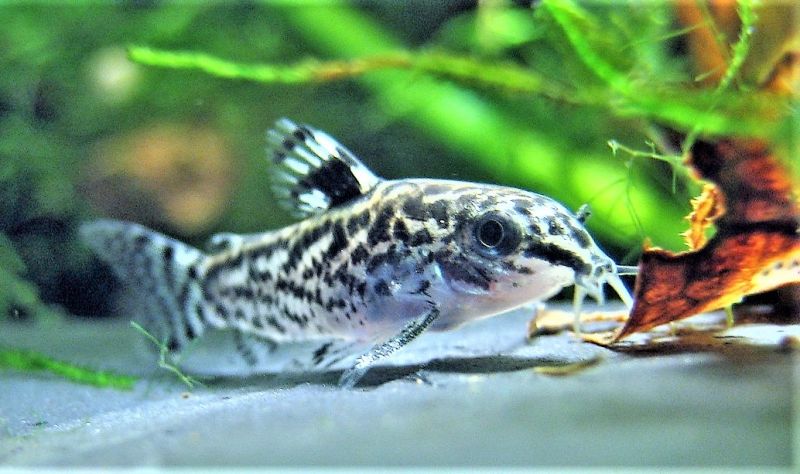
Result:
[[507, 247]]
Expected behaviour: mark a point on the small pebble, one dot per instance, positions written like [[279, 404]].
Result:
[[789, 344]]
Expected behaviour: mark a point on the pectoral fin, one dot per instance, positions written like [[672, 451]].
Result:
[[410, 331]]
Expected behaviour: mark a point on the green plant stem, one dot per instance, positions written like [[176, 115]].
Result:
[[503, 76], [162, 357], [748, 18], [729, 318]]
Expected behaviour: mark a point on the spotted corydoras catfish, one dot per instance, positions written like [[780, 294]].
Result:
[[372, 265]]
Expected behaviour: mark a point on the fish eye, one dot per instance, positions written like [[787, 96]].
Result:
[[495, 235]]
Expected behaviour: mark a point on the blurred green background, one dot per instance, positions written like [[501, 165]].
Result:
[[505, 92]]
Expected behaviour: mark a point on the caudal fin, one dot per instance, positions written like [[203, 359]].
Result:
[[160, 276]]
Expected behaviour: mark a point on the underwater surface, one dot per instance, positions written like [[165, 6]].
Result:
[[157, 113], [488, 398]]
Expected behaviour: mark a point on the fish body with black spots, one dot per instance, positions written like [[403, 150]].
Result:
[[372, 264]]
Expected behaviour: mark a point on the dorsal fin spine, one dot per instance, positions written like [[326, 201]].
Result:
[[313, 172]]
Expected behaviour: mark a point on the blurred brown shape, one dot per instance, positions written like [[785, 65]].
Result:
[[715, 27], [785, 79], [708, 50], [756, 248], [165, 175]]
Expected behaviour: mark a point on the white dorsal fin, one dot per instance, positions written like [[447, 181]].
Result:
[[312, 172]]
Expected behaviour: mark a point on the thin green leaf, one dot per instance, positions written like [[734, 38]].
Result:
[[29, 361]]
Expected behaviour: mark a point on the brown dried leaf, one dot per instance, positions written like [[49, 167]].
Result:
[[756, 248], [757, 245], [706, 208]]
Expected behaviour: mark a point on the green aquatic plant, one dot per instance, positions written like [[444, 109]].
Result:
[[706, 112], [681, 108], [585, 56], [162, 357], [17, 295], [32, 362]]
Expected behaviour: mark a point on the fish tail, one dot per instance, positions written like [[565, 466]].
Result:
[[161, 276]]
